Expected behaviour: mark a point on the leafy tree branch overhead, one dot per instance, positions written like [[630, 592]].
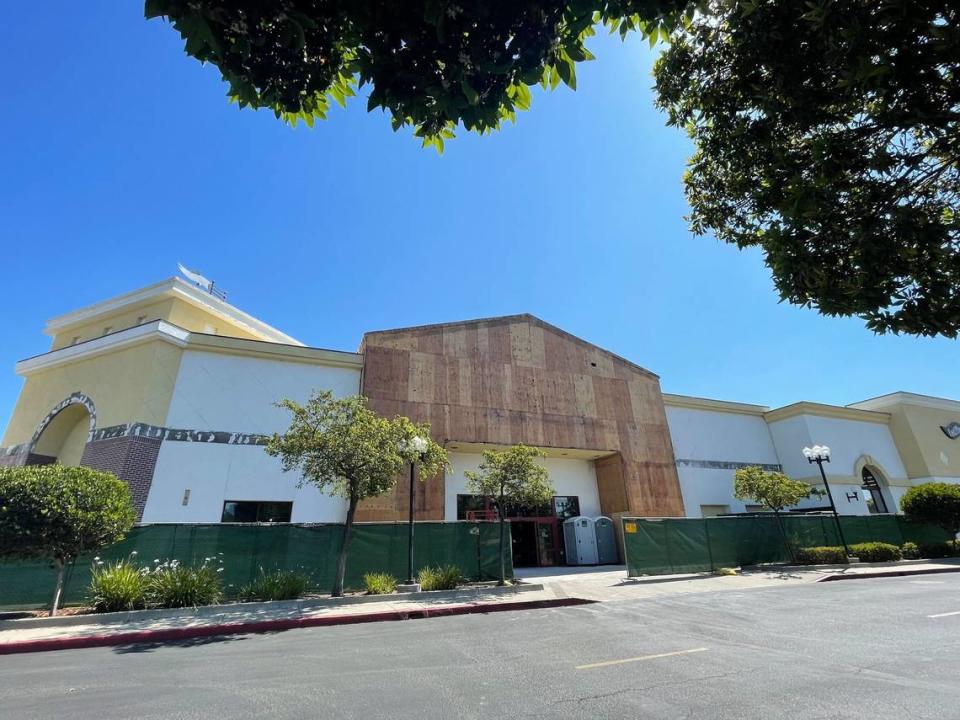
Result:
[[825, 131], [431, 64]]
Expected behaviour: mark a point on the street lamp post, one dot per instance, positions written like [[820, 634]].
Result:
[[820, 454], [418, 446]]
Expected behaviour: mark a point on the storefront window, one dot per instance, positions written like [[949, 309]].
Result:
[[247, 511]]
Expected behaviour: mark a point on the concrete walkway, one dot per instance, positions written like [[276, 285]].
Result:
[[610, 583]]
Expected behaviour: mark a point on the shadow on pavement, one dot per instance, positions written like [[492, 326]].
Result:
[[185, 643]]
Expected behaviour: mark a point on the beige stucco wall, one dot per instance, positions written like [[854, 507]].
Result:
[[173, 310], [925, 449], [132, 384]]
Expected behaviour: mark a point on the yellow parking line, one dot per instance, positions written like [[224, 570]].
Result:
[[638, 659]]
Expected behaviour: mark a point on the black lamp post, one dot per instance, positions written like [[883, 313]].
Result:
[[820, 454], [419, 446]]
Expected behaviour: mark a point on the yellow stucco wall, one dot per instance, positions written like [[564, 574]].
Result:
[[173, 310], [132, 384], [923, 446]]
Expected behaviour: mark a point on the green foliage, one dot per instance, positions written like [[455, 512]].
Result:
[[939, 550], [512, 476], [172, 585], [379, 583], [828, 555], [910, 551], [56, 512], [773, 490], [439, 578], [935, 503], [117, 586], [431, 64], [275, 585], [876, 552], [345, 449], [828, 135]]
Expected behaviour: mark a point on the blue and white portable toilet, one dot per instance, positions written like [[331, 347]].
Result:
[[606, 541], [580, 541]]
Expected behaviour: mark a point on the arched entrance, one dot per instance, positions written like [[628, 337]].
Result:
[[872, 490], [64, 433]]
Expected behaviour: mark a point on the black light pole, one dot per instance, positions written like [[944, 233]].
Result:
[[418, 446], [413, 475], [820, 454]]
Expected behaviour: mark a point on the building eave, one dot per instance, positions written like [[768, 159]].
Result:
[[902, 397], [171, 287], [697, 403], [162, 331], [829, 411]]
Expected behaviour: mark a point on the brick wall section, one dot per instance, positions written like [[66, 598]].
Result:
[[132, 459], [20, 459]]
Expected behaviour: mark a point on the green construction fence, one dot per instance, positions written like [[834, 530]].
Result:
[[664, 546], [244, 549]]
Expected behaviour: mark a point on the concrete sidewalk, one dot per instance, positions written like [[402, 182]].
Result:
[[612, 584]]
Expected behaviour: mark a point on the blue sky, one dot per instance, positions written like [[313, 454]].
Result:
[[120, 156]]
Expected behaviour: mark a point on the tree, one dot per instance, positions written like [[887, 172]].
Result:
[[511, 477], [346, 450], [431, 64], [58, 513], [772, 490], [828, 135], [936, 503]]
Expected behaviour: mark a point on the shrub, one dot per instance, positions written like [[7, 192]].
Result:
[[55, 513], [876, 552], [380, 583], [910, 551], [439, 578], [821, 556], [276, 585], [117, 586], [935, 503], [939, 550], [172, 585]]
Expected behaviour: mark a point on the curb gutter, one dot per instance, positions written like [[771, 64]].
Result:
[[887, 574], [293, 606], [264, 626]]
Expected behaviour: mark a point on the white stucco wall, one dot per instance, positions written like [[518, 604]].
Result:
[[569, 477], [215, 472], [217, 391], [702, 438], [730, 437], [849, 441]]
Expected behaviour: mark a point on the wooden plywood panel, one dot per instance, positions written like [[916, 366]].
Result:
[[517, 379]]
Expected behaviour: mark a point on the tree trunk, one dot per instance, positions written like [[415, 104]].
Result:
[[58, 590], [786, 540], [503, 522], [344, 547]]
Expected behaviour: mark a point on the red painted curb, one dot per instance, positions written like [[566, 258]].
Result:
[[888, 573], [262, 626]]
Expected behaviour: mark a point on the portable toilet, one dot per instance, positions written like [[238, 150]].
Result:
[[606, 541], [580, 541]]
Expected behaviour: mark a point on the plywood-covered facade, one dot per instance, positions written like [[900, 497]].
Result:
[[516, 379]]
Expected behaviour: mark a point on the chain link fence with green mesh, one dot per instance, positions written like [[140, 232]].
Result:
[[664, 546], [244, 549]]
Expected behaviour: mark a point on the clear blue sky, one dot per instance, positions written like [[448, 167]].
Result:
[[120, 156]]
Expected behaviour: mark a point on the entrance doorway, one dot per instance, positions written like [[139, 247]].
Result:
[[537, 539]]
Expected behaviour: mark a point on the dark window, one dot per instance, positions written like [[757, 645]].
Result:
[[468, 503], [249, 511], [566, 506]]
